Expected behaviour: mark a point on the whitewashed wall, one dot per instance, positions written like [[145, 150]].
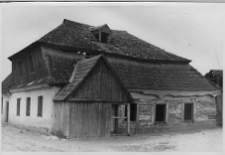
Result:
[[47, 118], [6, 98]]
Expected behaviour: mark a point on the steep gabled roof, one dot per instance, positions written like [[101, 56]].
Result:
[[81, 71], [77, 35], [105, 26]]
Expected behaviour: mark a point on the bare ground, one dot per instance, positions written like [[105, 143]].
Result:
[[197, 137]]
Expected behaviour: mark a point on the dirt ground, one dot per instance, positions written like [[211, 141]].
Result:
[[201, 137]]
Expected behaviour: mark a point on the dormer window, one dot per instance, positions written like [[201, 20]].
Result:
[[102, 34], [104, 37]]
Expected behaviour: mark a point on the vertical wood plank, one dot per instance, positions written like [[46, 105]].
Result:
[[137, 125], [79, 120], [96, 118], [90, 111], [99, 119], [128, 118], [82, 120], [87, 120], [103, 118], [71, 133]]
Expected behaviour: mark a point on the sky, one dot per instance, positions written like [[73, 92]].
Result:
[[191, 30]]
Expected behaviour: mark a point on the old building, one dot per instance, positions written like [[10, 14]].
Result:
[[216, 78], [84, 81]]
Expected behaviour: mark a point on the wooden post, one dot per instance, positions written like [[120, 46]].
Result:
[[116, 120], [128, 118], [137, 125]]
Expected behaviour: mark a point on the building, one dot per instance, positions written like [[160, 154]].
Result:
[[84, 81], [216, 78]]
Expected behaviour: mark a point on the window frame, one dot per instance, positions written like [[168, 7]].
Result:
[[28, 103], [18, 105], [40, 106], [192, 112]]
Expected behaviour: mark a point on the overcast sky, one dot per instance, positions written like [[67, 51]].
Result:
[[191, 30]]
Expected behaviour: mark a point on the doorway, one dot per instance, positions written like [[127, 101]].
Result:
[[188, 111], [7, 112], [160, 113]]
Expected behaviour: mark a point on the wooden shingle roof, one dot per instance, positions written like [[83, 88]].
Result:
[[162, 76], [77, 35], [175, 75], [81, 71]]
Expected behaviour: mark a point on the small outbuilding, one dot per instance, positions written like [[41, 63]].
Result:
[[216, 78], [86, 106]]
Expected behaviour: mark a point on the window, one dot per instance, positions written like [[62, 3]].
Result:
[[97, 36], [20, 72], [30, 64], [101, 36], [188, 111], [28, 107], [18, 107], [133, 112], [104, 37], [160, 113], [40, 106]]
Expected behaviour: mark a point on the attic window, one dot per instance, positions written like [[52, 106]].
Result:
[[102, 34], [104, 37]]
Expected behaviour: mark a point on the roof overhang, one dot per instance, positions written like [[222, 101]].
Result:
[[13, 90], [162, 93]]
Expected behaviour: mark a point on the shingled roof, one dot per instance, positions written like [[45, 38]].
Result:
[[161, 76], [80, 72], [173, 74], [77, 35]]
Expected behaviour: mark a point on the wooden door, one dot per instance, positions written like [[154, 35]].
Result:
[[90, 119]]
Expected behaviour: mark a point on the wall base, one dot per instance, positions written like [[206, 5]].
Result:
[[41, 130]]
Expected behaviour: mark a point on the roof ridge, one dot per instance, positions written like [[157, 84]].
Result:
[[70, 21], [92, 58]]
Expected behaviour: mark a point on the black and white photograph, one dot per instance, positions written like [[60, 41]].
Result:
[[112, 77]]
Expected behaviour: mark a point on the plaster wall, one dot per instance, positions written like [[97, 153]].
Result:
[[204, 108], [6, 98], [47, 119]]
